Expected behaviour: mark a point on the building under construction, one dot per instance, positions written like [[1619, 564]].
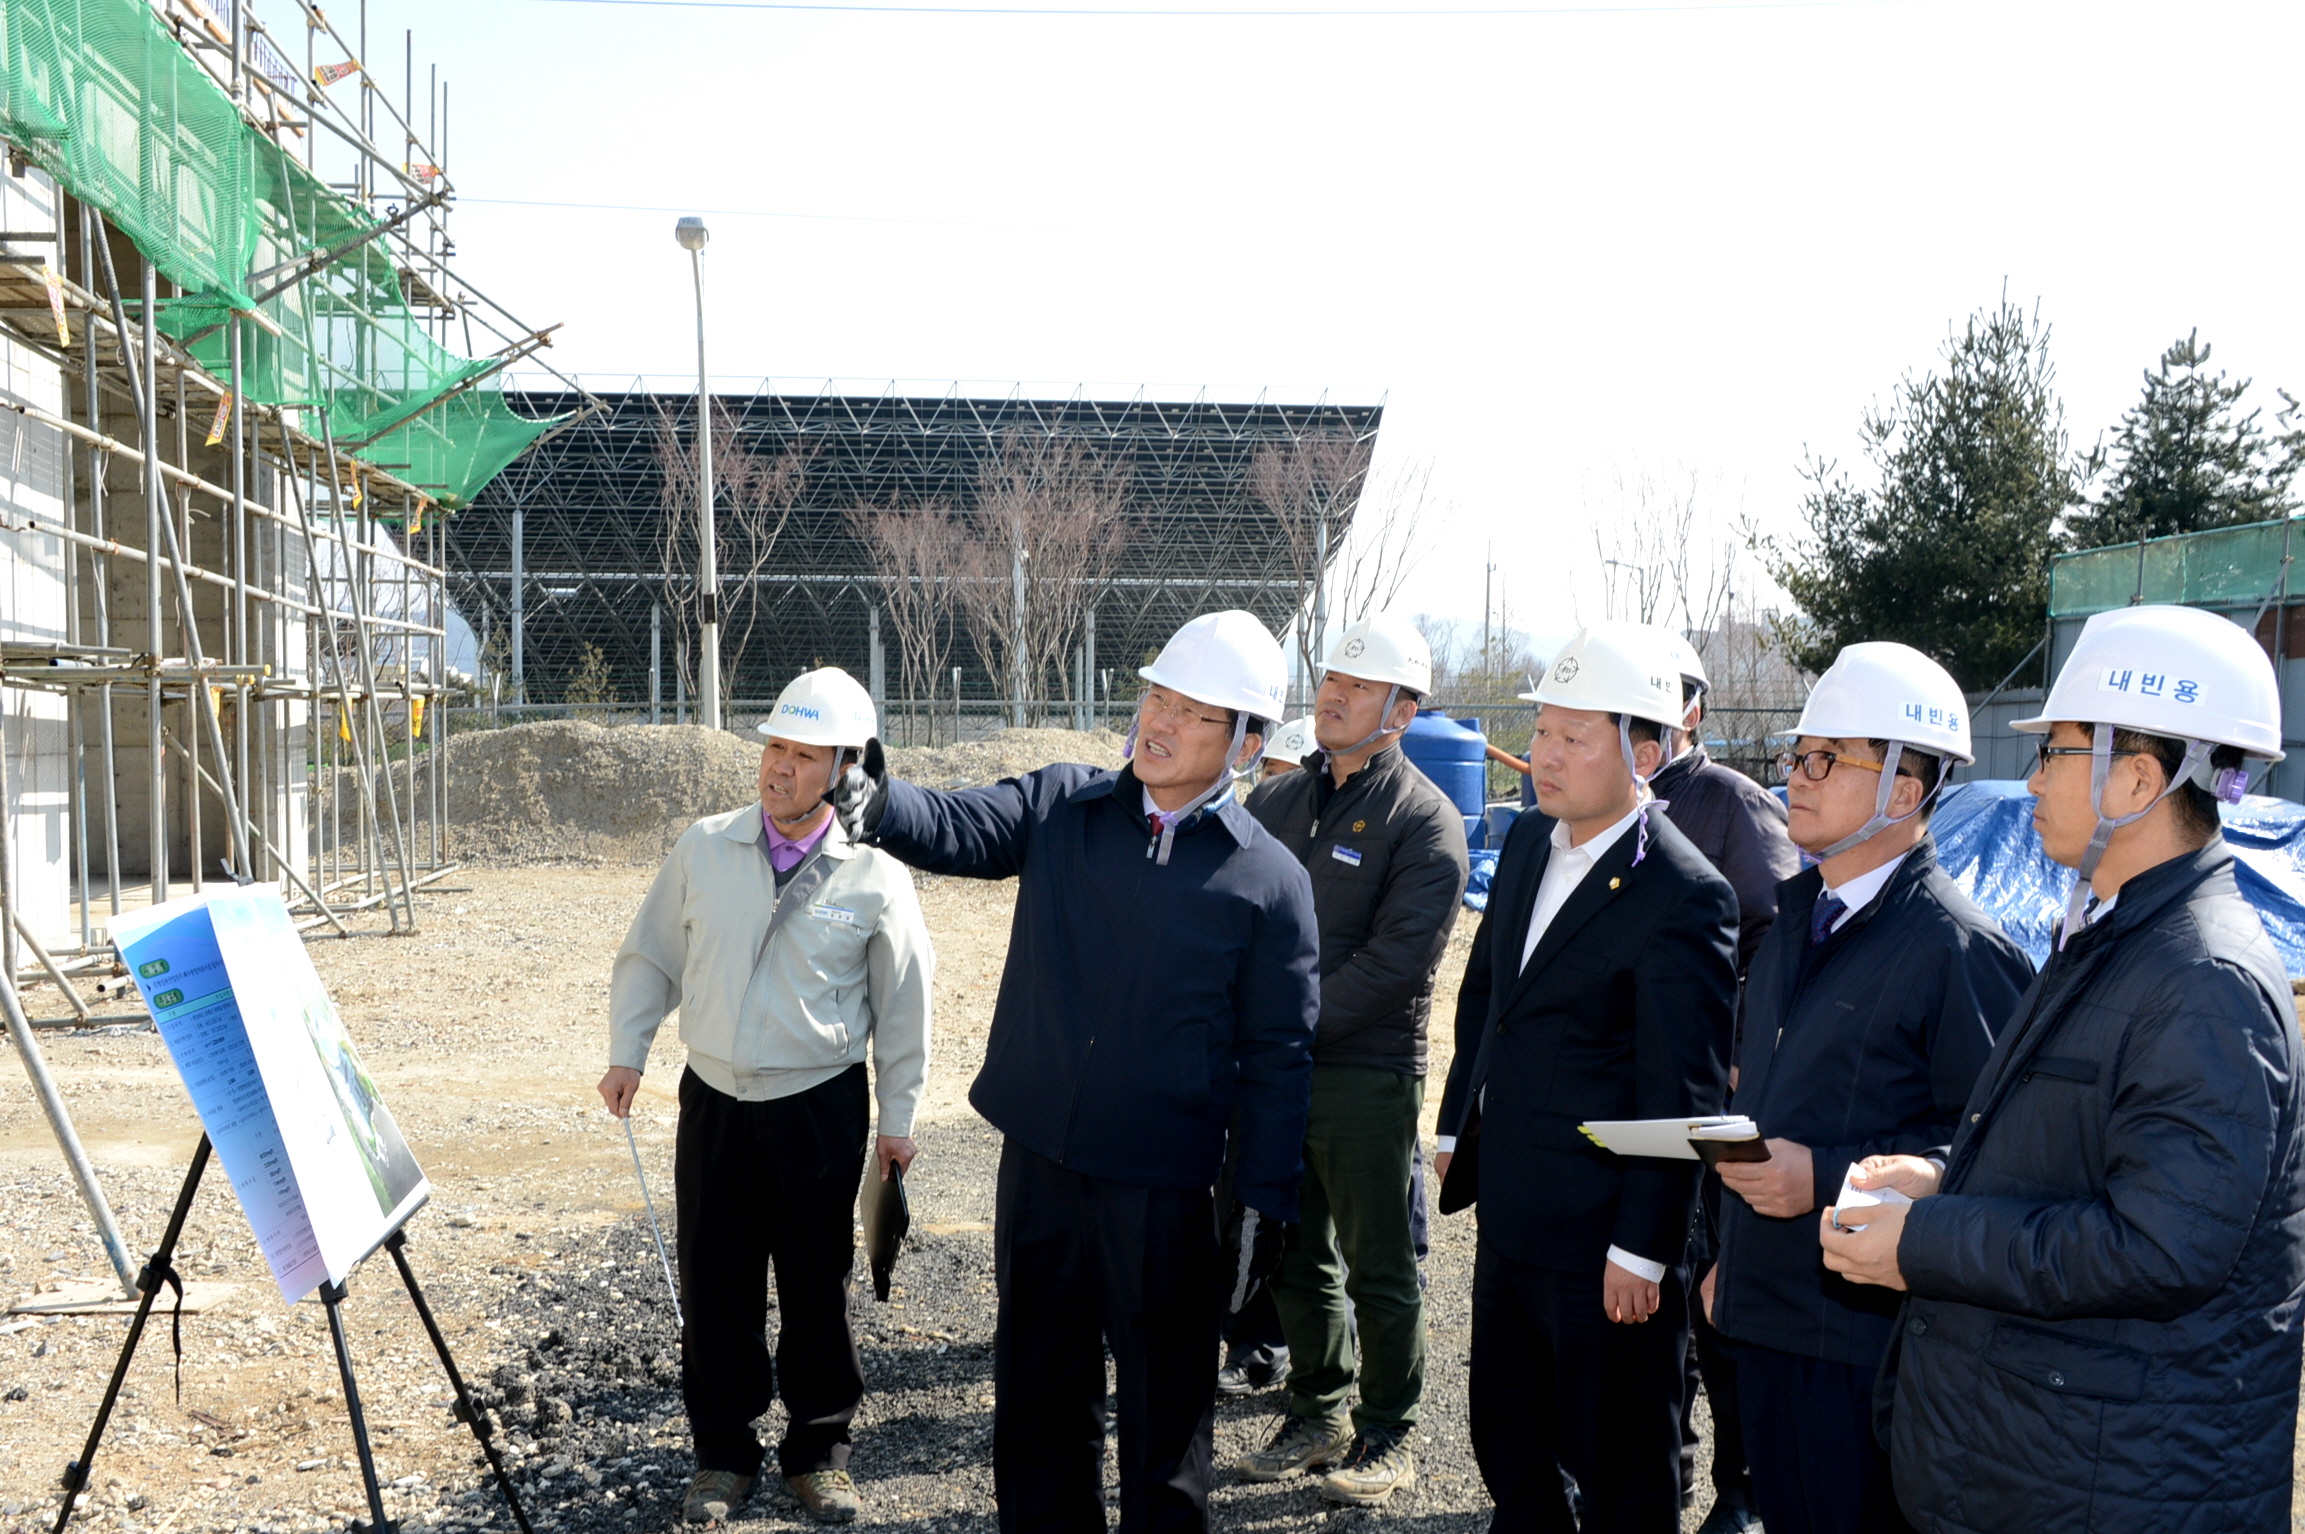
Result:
[[572, 568], [241, 383]]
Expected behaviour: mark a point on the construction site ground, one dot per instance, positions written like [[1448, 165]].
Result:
[[485, 1029]]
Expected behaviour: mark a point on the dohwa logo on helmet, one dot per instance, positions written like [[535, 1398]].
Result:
[[799, 711], [1567, 670]]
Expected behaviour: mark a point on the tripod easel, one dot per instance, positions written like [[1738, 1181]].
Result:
[[161, 1272]]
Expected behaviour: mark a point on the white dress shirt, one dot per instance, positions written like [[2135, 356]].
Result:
[[1858, 893], [1564, 871]]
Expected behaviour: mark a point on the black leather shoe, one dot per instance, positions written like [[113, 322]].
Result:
[[1731, 1514]]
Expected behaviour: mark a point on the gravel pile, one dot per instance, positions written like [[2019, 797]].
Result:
[[567, 791]]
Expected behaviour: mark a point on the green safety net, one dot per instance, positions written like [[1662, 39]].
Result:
[[109, 103], [2226, 567]]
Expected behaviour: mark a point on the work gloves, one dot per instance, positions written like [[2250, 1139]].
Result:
[[861, 794], [1249, 1256]]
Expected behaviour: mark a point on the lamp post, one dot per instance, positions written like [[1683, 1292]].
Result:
[[690, 232]]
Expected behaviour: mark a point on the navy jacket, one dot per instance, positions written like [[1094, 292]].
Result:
[[2103, 1329], [1740, 828], [1621, 1013], [1141, 1002], [1386, 854], [1867, 1045]]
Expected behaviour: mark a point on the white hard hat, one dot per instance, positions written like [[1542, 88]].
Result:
[[1383, 648], [2180, 672], [1226, 660], [1617, 668], [1691, 663], [1292, 742], [826, 707], [1884, 691]]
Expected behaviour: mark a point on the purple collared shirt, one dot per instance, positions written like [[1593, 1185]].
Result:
[[786, 853]]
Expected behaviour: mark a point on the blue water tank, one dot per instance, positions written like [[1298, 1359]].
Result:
[[1501, 818], [1454, 754]]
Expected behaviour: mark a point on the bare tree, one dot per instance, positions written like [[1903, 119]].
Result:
[[1395, 523], [1312, 487], [916, 553], [752, 499], [1047, 532]]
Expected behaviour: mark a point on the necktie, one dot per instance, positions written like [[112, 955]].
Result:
[[1827, 911]]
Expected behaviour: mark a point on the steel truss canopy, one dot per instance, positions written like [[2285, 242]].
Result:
[[589, 504]]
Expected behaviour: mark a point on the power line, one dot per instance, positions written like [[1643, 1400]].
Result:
[[828, 218]]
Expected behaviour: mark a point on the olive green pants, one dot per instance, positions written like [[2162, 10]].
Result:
[[1353, 1242]]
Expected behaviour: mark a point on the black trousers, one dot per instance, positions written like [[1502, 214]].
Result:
[[760, 1185], [1082, 1264], [1817, 1468], [1557, 1386], [1713, 1362]]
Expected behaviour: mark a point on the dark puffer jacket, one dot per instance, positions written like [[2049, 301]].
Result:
[[1385, 851], [1740, 828], [2103, 1329]]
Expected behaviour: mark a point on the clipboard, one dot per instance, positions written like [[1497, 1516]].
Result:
[[886, 1214]]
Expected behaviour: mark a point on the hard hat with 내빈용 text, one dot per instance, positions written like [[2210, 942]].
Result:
[[1293, 741], [825, 707], [2178, 672], [1880, 690], [1614, 667], [1383, 648], [1226, 660]]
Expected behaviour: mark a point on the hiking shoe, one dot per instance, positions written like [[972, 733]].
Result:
[[1300, 1443], [1377, 1464], [828, 1495], [1248, 1379], [715, 1495]]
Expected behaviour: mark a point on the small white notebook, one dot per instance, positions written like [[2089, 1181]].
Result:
[[1853, 1197]]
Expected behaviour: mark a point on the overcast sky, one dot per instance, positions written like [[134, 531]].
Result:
[[1560, 245]]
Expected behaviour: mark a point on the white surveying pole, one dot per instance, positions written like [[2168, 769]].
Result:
[[690, 232]]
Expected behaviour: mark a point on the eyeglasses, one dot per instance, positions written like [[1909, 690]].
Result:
[[1181, 713], [2044, 751], [1817, 766]]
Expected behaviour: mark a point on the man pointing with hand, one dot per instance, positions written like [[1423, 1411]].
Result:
[[1160, 991]]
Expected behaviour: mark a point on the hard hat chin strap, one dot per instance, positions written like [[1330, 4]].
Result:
[[1392, 696], [1887, 790], [1642, 797], [1169, 820], [2100, 770]]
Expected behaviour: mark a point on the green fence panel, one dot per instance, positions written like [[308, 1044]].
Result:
[[2227, 567]]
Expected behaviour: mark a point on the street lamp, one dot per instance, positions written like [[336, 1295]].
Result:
[[691, 234]]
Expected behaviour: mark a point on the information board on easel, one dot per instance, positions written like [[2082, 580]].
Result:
[[311, 1149]]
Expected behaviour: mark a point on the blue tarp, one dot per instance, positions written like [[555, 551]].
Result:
[[1986, 841]]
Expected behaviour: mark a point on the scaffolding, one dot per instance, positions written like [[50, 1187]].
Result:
[[562, 566], [230, 289]]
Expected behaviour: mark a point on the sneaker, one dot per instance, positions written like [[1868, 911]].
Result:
[[828, 1495], [715, 1495], [1300, 1443], [1248, 1379], [1378, 1463]]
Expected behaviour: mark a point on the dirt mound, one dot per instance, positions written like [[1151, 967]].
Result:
[[565, 791]]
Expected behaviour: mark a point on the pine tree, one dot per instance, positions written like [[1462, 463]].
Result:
[[1950, 552], [2186, 458]]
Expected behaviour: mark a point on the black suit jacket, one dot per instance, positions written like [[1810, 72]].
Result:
[[1622, 1012]]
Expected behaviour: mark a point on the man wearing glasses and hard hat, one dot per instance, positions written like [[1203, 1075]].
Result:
[[790, 951], [2103, 1278], [1869, 1010], [1159, 991]]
